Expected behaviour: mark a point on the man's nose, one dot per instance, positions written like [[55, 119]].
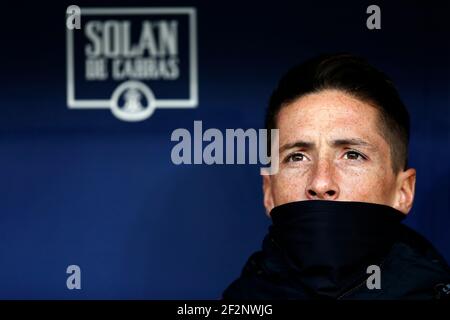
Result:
[[322, 184]]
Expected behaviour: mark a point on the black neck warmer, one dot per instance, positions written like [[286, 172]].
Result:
[[330, 244]]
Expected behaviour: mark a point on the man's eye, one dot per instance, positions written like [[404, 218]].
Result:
[[353, 155], [295, 157]]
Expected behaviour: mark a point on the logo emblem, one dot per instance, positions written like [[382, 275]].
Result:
[[133, 61]]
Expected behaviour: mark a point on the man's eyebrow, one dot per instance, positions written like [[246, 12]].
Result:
[[297, 144], [352, 142], [334, 143]]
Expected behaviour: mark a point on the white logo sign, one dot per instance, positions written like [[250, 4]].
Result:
[[133, 60]]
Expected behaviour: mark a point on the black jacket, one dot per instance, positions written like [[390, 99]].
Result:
[[412, 269]]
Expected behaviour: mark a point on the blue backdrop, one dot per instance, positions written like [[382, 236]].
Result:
[[82, 187]]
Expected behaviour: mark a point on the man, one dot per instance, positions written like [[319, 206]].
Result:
[[342, 189]]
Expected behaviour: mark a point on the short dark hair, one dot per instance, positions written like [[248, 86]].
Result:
[[355, 76]]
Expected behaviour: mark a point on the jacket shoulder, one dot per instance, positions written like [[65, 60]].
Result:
[[413, 269]]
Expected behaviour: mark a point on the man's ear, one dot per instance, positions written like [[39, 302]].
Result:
[[267, 193], [406, 184]]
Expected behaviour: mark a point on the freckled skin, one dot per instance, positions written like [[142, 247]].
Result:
[[335, 172]]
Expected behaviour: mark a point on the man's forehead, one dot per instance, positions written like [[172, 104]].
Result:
[[332, 116], [326, 108]]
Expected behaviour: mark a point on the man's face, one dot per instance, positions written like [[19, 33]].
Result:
[[331, 148]]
